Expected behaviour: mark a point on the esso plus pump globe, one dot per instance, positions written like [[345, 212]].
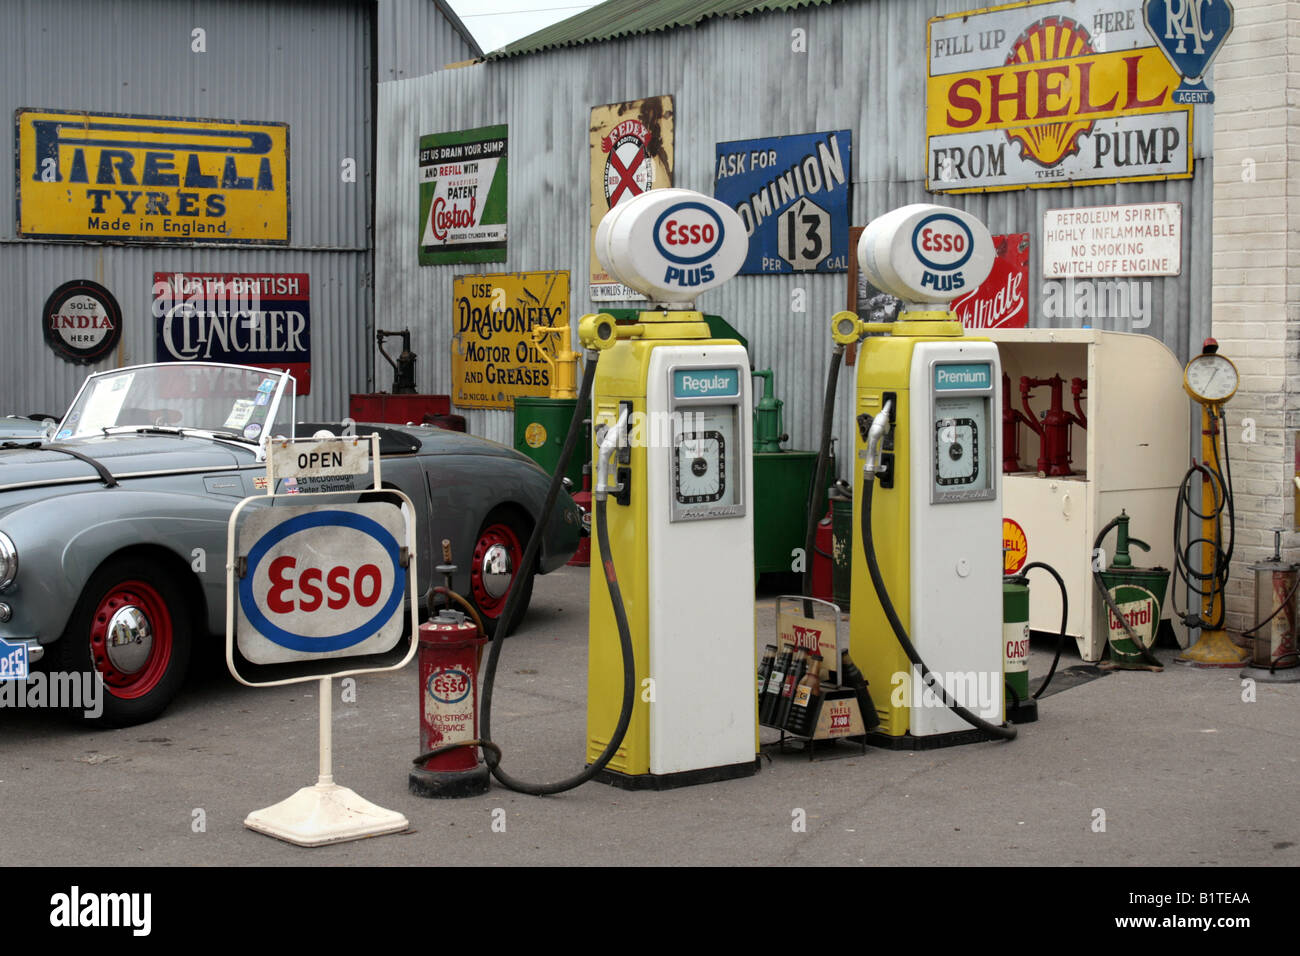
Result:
[[672, 244], [925, 254]]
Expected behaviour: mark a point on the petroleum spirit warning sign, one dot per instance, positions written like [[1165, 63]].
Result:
[[494, 359], [1051, 94], [124, 178]]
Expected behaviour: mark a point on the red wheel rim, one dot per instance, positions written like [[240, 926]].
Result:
[[494, 536], [131, 681]]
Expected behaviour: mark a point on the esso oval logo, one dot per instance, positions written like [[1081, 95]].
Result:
[[688, 233], [448, 685], [322, 581], [942, 242]]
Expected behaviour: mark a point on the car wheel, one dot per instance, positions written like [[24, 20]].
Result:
[[498, 553], [130, 625]]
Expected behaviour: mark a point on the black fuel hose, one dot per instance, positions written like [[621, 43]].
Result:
[[819, 477], [1022, 575], [512, 601], [1114, 609], [1001, 731], [1212, 584]]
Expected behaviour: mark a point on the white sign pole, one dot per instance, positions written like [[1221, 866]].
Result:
[[327, 812]]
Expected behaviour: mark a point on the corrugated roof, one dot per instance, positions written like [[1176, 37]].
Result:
[[622, 18]]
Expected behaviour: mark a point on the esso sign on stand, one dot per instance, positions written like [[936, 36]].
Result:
[[926, 254], [321, 582], [672, 244]]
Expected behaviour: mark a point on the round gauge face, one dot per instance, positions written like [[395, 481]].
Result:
[[960, 439], [700, 468], [956, 451], [706, 475], [1210, 378]]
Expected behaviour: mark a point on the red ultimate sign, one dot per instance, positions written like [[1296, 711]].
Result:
[[1002, 301]]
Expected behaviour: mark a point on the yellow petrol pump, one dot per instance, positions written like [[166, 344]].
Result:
[[926, 627], [671, 440]]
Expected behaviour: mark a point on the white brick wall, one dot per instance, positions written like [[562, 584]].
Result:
[[1256, 316]]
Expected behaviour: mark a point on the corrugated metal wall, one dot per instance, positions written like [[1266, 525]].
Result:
[[414, 39], [308, 64], [732, 79]]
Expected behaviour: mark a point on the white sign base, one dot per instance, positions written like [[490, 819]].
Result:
[[325, 813]]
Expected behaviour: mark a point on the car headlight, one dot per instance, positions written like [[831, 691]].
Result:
[[8, 561]]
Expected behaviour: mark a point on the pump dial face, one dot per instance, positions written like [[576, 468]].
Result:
[[700, 471], [1210, 378], [960, 453], [704, 459]]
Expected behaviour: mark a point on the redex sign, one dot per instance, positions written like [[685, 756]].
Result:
[[320, 582], [125, 178]]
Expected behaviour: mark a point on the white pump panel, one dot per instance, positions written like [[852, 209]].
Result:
[[701, 560], [956, 519]]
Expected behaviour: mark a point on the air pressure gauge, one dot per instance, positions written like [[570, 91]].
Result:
[[1210, 378]]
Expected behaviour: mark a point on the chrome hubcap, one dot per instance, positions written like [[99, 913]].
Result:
[[497, 570], [129, 639]]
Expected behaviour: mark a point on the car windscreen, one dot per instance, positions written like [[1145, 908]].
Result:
[[214, 398]]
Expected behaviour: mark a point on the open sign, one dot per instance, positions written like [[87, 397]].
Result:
[[321, 582]]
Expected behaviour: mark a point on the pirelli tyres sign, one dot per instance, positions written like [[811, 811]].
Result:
[[125, 178], [1051, 93]]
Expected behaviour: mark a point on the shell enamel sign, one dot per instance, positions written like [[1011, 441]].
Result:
[[1051, 94]]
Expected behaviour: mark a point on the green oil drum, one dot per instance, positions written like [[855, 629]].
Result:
[[540, 427], [1015, 640], [1139, 593]]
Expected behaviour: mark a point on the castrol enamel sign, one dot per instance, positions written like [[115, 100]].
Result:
[[321, 582], [672, 244], [926, 254]]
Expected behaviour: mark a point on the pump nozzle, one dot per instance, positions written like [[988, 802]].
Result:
[[871, 464], [609, 448]]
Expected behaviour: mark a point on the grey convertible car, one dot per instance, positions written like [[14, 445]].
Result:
[[113, 533]]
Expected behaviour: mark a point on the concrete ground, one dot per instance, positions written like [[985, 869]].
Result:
[[1183, 768]]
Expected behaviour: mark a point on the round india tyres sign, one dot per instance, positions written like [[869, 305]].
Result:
[[320, 582], [672, 244], [926, 254]]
